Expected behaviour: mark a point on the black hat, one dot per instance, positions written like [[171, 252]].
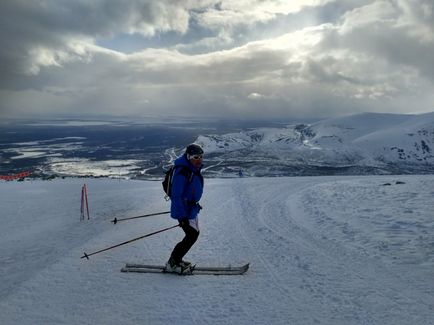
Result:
[[194, 149]]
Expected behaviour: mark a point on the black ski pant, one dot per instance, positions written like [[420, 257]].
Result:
[[184, 245]]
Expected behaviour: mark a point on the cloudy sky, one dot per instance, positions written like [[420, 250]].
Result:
[[244, 58]]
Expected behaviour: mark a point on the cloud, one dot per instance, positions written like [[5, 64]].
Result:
[[40, 33], [230, 14], [373, 56], [255, 96]]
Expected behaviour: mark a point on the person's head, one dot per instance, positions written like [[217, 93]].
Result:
[[194, 154]]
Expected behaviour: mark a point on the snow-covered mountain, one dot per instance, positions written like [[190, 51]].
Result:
[[360, 143]]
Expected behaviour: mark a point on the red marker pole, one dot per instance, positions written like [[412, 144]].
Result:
[[82, 204], [87, 202]]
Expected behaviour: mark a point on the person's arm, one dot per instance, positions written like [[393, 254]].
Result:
[[178, 209]]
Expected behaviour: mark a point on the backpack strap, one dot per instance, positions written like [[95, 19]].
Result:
[[188, 173], [185, 171]]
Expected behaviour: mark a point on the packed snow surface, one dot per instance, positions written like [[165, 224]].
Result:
[[323, 250]]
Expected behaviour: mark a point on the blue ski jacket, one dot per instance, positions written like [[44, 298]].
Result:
[[187, 189]]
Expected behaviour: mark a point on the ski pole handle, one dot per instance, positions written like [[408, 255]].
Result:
[[127, 242]]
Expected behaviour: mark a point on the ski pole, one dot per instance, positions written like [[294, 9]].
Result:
[[116, 220], [127, 242]]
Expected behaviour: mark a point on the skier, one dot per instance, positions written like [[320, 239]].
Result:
[[186, 191]]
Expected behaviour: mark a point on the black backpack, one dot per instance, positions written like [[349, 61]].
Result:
[[167, 182]]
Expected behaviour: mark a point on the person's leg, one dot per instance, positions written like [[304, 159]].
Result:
[[182, 248]]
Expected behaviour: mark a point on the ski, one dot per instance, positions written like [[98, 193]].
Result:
[[196, 270]]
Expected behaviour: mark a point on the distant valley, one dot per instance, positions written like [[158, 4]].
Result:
[[360, 144]]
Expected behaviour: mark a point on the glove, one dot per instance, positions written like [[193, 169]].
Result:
[[183, 222]]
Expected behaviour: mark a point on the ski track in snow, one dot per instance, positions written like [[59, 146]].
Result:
[[328, 268], [323, 250]]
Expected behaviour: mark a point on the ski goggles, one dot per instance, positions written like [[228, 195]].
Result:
[[195, 157]]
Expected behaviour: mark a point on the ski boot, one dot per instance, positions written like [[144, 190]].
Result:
[[181, 268]]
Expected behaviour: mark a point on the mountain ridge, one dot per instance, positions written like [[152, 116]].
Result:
[[389, 143]]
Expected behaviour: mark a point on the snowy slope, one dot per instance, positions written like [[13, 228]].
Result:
[[411, 141], [323, 250], [388, 142]]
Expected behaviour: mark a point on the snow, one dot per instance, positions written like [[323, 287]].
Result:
[[86, 167], [365, 140], [44, 148], [323, 250]]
